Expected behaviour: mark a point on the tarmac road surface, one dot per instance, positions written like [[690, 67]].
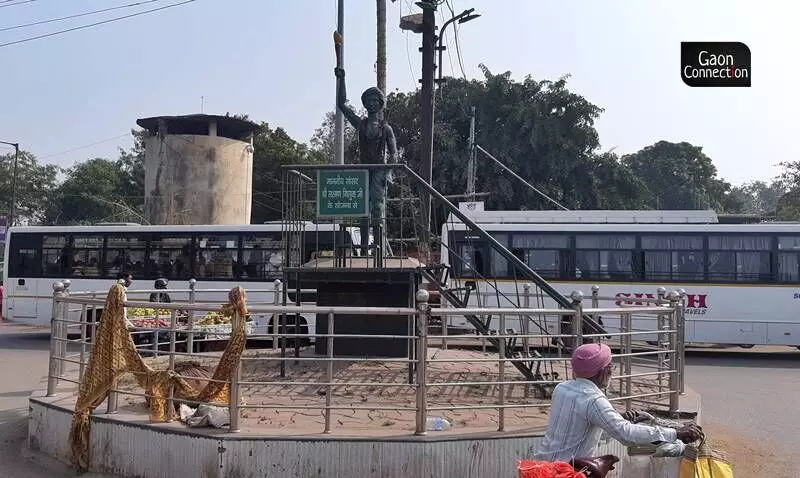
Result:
[[23, 368], [750, 397]]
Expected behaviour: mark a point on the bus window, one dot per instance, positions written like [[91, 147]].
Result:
[[125, 254], [789, 259], [170, 257], [55, 256], [24, 256], [262, 256], [788, 267], [673, 258], [605, 256], [469, 261], [87, 255], [541, 252], [498, 265], [739, 258], [217, 257]]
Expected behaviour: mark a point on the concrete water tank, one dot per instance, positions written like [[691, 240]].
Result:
[[198, 169]]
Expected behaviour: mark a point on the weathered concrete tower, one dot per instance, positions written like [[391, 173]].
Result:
[[198, 169]]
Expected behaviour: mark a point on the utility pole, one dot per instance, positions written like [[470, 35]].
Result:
[[427, 107], [12, 214], [338, 122], [381, 43], [471, 160]]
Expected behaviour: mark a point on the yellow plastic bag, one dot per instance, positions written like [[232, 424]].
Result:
[[703, 462]]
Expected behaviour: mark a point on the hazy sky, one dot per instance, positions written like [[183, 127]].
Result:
[[274, 60]]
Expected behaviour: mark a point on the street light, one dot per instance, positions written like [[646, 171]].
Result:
[[462, 17], [13, 182]]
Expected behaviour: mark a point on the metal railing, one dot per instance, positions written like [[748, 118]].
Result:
[[428, 381]]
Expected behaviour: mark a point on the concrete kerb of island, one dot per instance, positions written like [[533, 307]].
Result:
[[126, 444]]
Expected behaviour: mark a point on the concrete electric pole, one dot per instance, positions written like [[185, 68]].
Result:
[[427, 106], [338, 122], [380, 64]]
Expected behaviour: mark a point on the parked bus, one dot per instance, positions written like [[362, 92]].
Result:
[[742, 281], [93, 257]]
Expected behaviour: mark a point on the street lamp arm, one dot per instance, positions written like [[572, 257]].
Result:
[[458, 17]]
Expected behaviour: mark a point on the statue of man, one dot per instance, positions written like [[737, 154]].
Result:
[[375, 137]]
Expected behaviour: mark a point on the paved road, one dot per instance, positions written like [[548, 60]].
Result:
[[750, 393], [23, 368]]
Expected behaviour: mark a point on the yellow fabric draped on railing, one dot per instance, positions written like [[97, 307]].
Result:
[[114, 354]]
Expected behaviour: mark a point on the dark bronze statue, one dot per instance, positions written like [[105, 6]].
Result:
[[375, 139]]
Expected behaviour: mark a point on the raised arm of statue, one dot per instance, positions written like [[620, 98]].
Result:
[[341, 100]]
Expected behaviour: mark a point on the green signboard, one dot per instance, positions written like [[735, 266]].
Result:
[[343, 193]]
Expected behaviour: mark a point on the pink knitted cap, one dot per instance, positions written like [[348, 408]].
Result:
[[589, 359]]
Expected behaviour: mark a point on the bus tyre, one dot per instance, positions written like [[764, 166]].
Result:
[[746, 346]]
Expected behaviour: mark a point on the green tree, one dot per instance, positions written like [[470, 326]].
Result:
[[35, 182], [93, 191], [131, 166], [760, 197], [272, 149], [680, 176]]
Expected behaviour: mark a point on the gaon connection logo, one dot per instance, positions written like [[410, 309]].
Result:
[[715, 64]]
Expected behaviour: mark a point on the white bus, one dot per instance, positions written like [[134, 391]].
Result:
[[742, 280], [93, 257]]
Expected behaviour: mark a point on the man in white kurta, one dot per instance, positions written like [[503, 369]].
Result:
[[580, 413]]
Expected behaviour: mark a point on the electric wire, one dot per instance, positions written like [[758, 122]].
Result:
[[77, 15], [81, 27]]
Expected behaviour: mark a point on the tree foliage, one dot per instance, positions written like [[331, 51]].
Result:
[[680, 176], [274, 148], [35, 181]]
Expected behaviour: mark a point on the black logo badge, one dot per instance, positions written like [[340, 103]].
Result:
[[715, 64]]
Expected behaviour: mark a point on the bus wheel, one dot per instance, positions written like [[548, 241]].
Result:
[[746, 346]]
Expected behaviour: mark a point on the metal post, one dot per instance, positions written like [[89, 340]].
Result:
[[526, 348], [82, 364], [329, 392], [277, 302], [627, 327], [681, 339], [471, 160], [63, 327], [190, 331], [577, 318], [173, 322], [501, 376], [236, 376], [661, 337], [52, 376], [674, 383], [233, 400], [423, 312], [338, 125]]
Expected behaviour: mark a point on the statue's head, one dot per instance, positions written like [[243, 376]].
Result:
[[373, 99]]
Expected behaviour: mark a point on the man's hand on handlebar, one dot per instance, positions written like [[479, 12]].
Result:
[[690, 433]]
